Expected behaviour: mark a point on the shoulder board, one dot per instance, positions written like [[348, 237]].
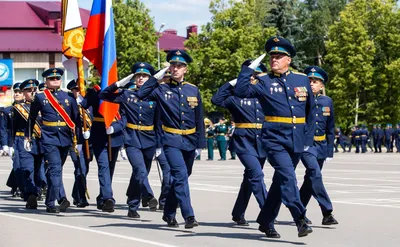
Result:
[[161, 83], [298, 73], [40, 92], [262, 74], [184, 83]]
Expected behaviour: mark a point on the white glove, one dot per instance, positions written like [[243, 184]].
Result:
[[6, 149], [257, 62], [79, 99], [306, 148], [110, 130], [158, 152], [198, 152], [79, 148], [233, 82], [124, 81], [11, 152], [123, 154], [329, 159], [27, 145], [86, 134], [161, 73]]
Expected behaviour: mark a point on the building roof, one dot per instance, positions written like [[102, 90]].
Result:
[[19, 15], [170, 41], [21, 41]]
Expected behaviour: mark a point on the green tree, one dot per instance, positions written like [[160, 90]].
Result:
[[135, 35], [363, 51], [225, 43]]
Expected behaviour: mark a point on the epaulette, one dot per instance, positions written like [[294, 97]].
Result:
[[161, 83], [184, 83], [262, 74], [40, 92], [298, 73]]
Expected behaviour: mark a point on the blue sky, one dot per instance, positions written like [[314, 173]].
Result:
[[176, 14]]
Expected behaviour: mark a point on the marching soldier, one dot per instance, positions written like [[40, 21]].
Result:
[[374, 135], [81, 162], [249, 117], [210, 133], [142, 135], [220, 131], [288, 105], [106, 143], [15, 179], [381, 135], [339, 140], [30, 160], [322, 148], [364, 138], [60, 125], [388, 138], [396, 137], [183, 124]]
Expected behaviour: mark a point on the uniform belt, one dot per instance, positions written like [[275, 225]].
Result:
[[248, 125], [139, 127], [54, 124], [357, 136], [19, 133], [363, 135], [100, 119], [320, 138], [289, 120], [221, 134], [179, 131]]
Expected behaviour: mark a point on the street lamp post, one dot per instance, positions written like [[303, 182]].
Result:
[[158, 44]]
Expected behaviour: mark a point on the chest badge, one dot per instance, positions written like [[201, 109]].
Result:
[[301, 93], [326, 111]]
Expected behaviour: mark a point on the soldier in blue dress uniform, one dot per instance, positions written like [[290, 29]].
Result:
[[105, 152], [81, 162], [60, 122], [322, 148], [15, 180], [288, 105], [184, 136], [388, 138], [364, 138], [249, 117], [381, 134], [339, 140], [141, 133]]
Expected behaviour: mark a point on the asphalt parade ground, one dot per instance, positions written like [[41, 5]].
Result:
[[364, 188]]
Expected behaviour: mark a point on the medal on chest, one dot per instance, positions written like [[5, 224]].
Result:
[[326, 111], [301, 93]]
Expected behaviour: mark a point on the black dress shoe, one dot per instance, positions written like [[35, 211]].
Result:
[[329, 220], [153, 204], [52, 210], [64, 204], [82, 204], [302, 228], [160, 207], [31, 203], [191, 222], [108, 206], [100, 206], [269, 232], [240, 221], [145, 202], [308, 221], [170, 221], [133, 214]]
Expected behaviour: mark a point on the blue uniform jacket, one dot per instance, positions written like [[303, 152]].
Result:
[[388, 134], [381, 133], [55, 135], [325, 125], [140, 112], [287, 95], [6, 127], [247, 110], [98, 135], [181, 108]]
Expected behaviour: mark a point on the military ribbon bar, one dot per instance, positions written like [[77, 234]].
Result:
[[56, 105]]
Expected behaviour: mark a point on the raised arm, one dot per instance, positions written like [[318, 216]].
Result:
[[148, 90], [222, 97], [243, 88], [109, 94]]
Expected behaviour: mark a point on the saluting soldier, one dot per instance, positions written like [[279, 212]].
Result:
[[288, 104], [322, 148], [249, 117], [141, 134], [60, 125], [184, 136]]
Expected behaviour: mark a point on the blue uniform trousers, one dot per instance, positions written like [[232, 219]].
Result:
[[140, 160], [12, 180], [55, 157], [105, 170], [313, 184], [166, 178], [363, 146], [181, 163], [78, 190], [283, 188], [42, 174], [17, 170], [388, 145], [253, 181]]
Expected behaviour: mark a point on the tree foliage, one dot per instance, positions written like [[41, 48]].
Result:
[[232, 36]]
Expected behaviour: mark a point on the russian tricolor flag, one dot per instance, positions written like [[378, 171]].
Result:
[[100, 49]]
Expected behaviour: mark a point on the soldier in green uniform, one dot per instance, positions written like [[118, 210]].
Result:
[[210, 133], [221, 129]]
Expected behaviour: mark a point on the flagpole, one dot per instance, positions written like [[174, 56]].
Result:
[[81, 85]]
